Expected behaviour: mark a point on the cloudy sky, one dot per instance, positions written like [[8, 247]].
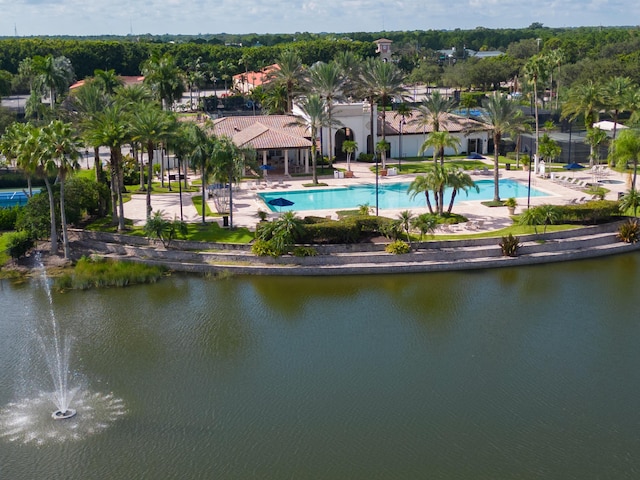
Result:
[[121, 17]]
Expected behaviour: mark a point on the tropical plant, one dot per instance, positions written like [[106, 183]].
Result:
[[586, 100], [326, 80], [313, 117], [107, 81], [165, 78], [199, 157], [380, 82], [535, 71], [501, 117], [618, 98], [531, 216], [349, 147], [60, 143], [595, 137], [630, 201], [549, 214], [510, 245], [548, 148], [406, 221], [52, 74], [458, 181], [165, 230], [629, 232], [439, 141], [434, 111], [110, 128], [425, 223], [626, 150], [288, 72]]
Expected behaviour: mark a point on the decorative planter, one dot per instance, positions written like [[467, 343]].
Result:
[[348, 174], [383, 172]]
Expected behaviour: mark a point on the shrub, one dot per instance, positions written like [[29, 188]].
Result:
[[165, 230], [510, 245], [397, 248], [629, 232], [19, 243], [265, 248], [8, 217], [305, 252], [365, 157]]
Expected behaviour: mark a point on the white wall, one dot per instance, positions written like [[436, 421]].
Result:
[[355, 116]]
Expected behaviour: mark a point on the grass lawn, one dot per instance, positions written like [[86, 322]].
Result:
[[197, 202]]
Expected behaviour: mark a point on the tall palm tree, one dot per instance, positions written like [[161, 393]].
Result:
[[164, 77], [288, 73], [13, 146], [150, 125], [502, 117], [349, 147], [110, 128], [433, 181], [227, 162], [87, 102], [535, 71], [555, 59], [380, 82], [61, 143], [313, 117], [439, 141], [433, 111], [326, 80], [617, 98], [584, 100], [199, 157]]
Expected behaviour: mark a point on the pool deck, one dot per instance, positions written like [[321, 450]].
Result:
[[481, 218]]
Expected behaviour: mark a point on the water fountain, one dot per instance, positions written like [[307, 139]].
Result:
[[78, 412]]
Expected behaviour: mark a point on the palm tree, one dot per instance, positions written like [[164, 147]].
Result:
[[458, 180], [326, 80], [549, 148], [88, 101], [62, 145], [439, 141], [150, 125], [110, 128], [434, 181], [288, 73], [535, 70], [434, 111], [349, 147], [425, 223], [501, 116], [595, 137], [12, 146], [199, 156], [380, 82], [406, 220], [165, 78], [586, 100], [626, 149], [617, 98], [107, 80], [227, 165], [630, 201], [53, 74], [313, 117]]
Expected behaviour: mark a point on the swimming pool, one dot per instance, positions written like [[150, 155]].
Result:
[[390, 195]]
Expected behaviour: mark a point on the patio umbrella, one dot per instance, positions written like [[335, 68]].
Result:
[[265, 168], [280, 202], [573, 166]]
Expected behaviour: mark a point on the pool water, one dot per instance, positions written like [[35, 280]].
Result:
[[390, 195]]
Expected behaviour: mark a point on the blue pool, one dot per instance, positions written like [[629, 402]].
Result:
[[390, 195], [10, 199]]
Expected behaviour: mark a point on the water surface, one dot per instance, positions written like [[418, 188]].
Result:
[[512, 373]]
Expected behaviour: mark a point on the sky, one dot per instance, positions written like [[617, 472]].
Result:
[[123, 17]]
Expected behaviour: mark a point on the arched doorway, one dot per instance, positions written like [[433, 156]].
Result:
[[341, 135]]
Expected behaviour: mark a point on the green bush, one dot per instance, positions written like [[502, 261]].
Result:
[[366, 157], [305, 252], [265, 248], [397, 248], [19, 243], [8, 217]]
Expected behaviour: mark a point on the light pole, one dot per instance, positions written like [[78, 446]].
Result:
[[377, 158], [402, 123], [86, 156]]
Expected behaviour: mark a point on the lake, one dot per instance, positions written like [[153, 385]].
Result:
[[500, 374]]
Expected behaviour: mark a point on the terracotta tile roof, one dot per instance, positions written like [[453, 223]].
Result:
[[452, 123], [263, 132]]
